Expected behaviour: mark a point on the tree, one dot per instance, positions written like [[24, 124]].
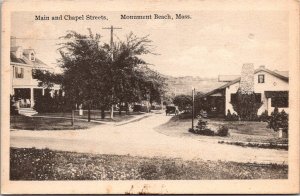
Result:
[[183, 101], [47, 79], [93, 78], [200, 103], [132, 79], [85, 62]]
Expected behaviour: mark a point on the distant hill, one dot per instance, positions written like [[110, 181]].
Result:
[[184, 85]]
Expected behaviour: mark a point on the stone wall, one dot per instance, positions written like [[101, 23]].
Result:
[[247, 79]]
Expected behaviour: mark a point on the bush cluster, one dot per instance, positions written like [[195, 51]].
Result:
[[13, 108], [48, 104], [264, 117], [202, 129], [140, 108], [223, 131], [279, 120], [246, 106], [231, 117]]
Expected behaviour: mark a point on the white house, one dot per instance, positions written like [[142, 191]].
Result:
[[270, 87], [23, 86]]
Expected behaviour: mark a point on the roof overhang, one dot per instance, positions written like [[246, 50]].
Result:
[[271, 94]]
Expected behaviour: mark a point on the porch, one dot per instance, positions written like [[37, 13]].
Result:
[[214, 103], [279, 99], [26, 97]]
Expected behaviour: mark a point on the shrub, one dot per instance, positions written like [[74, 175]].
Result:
[[246, 106], [228, 116], [137, 108], [13, 108], [183, 101], [235, 117], [207, 132], [48, 104], [264, 117], [185, 115], [278, 120], [223, 131], [231, 117], [201, 128]]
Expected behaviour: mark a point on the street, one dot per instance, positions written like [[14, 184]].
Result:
[[139, 138]]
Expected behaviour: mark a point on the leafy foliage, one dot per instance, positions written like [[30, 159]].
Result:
[[98, 75], [264, 117], [223, 131], [231, 117], [48, 104], [47, 79], [246, 106], [279, 120], [201, 128], [85, 66], [13, 108], [183, 101]]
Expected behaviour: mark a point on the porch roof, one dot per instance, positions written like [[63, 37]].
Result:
[[271, 94]]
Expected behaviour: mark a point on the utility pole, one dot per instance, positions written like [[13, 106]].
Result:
[[193, 107], [112, 58]]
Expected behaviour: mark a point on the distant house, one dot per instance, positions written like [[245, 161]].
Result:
[[270, 87], [24, 87]]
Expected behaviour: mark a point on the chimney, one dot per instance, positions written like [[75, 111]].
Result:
[[247, 79], [13, 41]]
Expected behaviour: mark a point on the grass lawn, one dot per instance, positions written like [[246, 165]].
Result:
[[240, 131], [34, 164], [62, 121], [95, 115], [37, 123]]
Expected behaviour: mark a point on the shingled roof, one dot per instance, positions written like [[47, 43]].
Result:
[[274, 73], [37, 63]]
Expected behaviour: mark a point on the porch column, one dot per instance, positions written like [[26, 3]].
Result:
[[43, 91], [269, 107], [31, 98]]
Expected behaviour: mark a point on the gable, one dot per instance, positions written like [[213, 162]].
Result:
[[271, 82]]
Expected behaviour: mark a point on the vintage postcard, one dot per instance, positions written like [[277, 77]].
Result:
[[150, 97]]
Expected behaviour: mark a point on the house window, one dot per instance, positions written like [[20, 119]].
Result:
[[19, 72], [261, 78], [32, 57], [280, 102], [33, 74]]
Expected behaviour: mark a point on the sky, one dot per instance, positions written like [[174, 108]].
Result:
[[209, 44]]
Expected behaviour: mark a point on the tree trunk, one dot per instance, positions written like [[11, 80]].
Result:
[[112, 112], [102, 112], [127, 109], [120, 109], [89, 113]]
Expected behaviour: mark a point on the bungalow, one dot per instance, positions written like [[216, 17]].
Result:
[[24, 87], [270, 87]]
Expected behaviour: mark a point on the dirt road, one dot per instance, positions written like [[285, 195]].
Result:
[[138, 138]]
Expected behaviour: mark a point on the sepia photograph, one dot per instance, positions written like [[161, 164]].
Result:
[[150, 96]]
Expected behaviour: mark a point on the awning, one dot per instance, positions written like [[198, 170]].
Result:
[[271, 94]]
